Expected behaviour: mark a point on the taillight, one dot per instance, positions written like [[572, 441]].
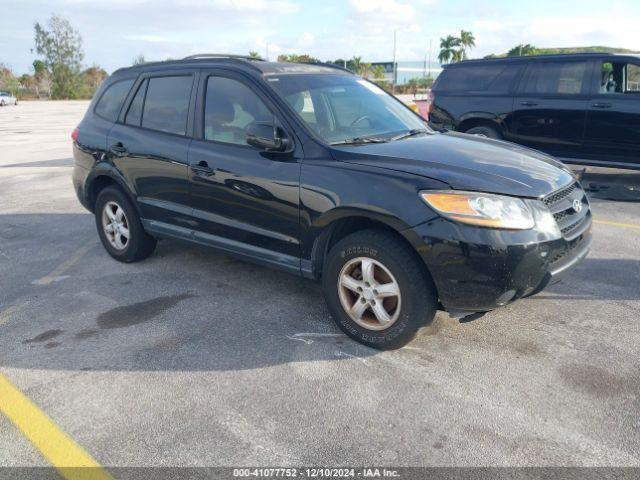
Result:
[[430, 99], [75, 133]]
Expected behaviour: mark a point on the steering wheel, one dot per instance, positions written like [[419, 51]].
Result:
[[359, 119]]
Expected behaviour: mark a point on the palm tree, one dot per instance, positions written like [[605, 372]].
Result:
[[254, 54], [458, 55], [448, 47], [378, 72], [467, 41], [360, 67]]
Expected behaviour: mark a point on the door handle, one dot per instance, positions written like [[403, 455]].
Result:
[[202, 168], [118, 149], [528, 103], [601, 105]]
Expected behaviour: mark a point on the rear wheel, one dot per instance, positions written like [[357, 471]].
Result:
[[377, 290], [485, 131], [119, 227]]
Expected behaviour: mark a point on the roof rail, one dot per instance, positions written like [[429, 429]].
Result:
[[333, 65], [222, 55]]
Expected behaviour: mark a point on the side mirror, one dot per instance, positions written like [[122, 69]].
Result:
[[266, 136]]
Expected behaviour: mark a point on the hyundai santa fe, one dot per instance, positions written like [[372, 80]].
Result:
[[316, 171]]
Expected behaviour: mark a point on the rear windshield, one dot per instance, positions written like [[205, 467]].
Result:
[[496, 78], [111, 100]]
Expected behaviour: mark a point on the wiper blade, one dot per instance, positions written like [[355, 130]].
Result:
[[410, 133], [360, 141]]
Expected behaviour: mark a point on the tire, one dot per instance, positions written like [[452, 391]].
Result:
[[486, 131], [2, 103], [394, 261], [138, 245]]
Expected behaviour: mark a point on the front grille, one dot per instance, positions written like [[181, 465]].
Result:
[[561, 204], [559, 195]]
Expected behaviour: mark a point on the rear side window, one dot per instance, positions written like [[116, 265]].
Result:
[[111, 100], [478, 78], [166, 105], [564, 78], [134, 115]]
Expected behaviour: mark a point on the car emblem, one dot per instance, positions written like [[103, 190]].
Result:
[[577, 205]]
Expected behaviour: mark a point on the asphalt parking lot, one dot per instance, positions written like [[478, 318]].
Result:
[[192, 358]]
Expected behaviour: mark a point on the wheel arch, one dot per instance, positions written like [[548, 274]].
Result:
[[102, 176], [477, 119], [340, 225]]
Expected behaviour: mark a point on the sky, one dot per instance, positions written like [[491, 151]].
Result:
[[116, 31]]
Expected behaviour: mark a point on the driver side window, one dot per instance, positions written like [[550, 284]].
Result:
[[230, 106]]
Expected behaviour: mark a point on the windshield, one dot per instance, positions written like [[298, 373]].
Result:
[[346, 109]]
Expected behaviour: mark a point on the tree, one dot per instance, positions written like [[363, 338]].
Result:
[[254, 54], [360, 67], [8, 81], [520, 50], [467, 41], [294, 58], [61, 46], [139, 60], [41, 77], [448, 48], [378, 72]]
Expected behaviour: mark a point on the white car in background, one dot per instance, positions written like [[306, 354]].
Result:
[[7, 99]]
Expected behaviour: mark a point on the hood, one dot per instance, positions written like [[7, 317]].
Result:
[[465, 162]]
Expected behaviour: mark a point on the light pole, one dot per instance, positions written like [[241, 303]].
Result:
[[395, 70]]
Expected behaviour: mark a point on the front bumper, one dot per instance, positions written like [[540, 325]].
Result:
[[480, 269]]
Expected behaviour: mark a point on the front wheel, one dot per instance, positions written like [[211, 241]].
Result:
[[377, 290]]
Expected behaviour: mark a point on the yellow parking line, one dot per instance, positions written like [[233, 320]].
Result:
[[617, 224], [71, 461], [64, 266]]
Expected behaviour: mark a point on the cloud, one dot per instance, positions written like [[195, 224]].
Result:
[[593, 30], [247, 6]]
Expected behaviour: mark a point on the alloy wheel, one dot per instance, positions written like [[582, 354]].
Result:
[[115, 225], [369, 293]]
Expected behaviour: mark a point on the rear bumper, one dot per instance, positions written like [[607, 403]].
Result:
[[480, 269]]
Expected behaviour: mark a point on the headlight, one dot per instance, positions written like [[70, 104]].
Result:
[[482, 209]]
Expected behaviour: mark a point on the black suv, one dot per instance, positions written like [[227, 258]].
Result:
[[584, 108], [316, 171]]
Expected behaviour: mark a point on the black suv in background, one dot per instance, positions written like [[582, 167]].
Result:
[[316, 171], [583, 108]]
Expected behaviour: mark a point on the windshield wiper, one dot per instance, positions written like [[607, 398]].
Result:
[[409, 133], [360, 141]]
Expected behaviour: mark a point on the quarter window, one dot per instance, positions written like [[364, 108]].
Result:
[[166, 106], [556, 78], [479, 78], [111, 100], [229, 107]]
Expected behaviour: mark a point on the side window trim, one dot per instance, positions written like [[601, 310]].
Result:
[[195, 78], [200, 104]]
